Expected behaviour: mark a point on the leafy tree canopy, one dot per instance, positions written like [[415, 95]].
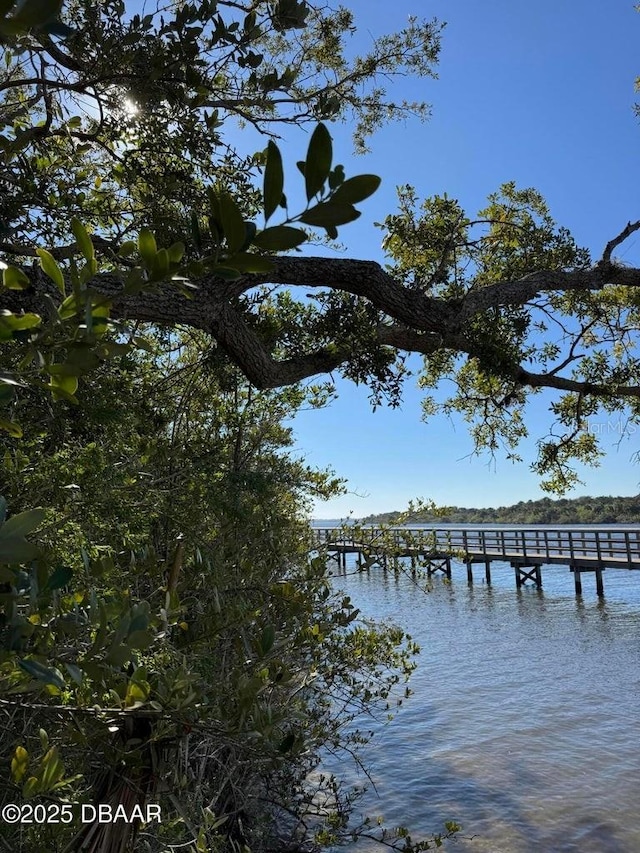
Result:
[[503, 302]]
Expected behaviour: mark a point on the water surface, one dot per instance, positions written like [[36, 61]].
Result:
[[523, 726]]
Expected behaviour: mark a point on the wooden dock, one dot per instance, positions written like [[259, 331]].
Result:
[[525, 549]]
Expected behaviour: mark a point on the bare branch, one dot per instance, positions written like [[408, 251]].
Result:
[[622, 236]]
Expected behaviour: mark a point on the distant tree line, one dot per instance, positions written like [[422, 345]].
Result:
[[583, 510]]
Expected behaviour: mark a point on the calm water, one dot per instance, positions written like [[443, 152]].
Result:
[[524, 723]]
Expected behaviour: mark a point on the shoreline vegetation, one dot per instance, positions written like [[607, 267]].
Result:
[[583, 510]]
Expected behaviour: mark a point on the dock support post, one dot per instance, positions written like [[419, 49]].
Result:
[[469, 572], [599, 583], [487, 571], [577, 580], [528, 573], [439, 565]]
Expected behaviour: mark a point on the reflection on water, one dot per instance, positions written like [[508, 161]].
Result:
[[524, 721]]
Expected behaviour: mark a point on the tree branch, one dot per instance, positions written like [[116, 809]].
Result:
[[418, 323]]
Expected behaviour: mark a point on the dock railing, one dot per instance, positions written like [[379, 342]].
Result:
[[588, 547]]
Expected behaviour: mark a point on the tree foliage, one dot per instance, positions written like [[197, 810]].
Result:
[[503, 301], [165, 636], [161, 618], [170, 634]]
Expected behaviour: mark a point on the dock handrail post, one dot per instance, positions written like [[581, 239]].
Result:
[[523, 537], [598, 549], [571, 546], [628, 544], [502, 542], [464, 542], [546, 543]]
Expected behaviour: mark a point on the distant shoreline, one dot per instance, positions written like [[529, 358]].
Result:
[[606, 509]]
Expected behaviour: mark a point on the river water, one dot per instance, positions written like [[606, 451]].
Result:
[[524, 724]]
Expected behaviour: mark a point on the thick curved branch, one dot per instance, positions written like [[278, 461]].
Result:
[[416, 322]]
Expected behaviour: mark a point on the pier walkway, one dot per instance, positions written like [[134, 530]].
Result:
[[592, 549]]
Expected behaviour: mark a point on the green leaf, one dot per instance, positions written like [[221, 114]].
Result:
[[127, 248], [327, 214], [232, 223], [51, 268], [71, 306], [336, 177], [14, 430], [59, 578], [52, 768], [36, 13], [318, 163], [176, 252], [141, 639], [113, 349], [30, 787], [160, 265], [83, 239], [19, 764], [119, 655], [356, 189], [93, 670], [75, 672], [279, 238], [16, 549], [18, 322], [81, 359], [147, 246], [42, 673], [267, 639], [227, 273], [273, 180], [250, 233], [23, 523], [64, 387], [14, 278], [139, 622]]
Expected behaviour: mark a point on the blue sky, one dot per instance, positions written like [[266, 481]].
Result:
[[540, 93]]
